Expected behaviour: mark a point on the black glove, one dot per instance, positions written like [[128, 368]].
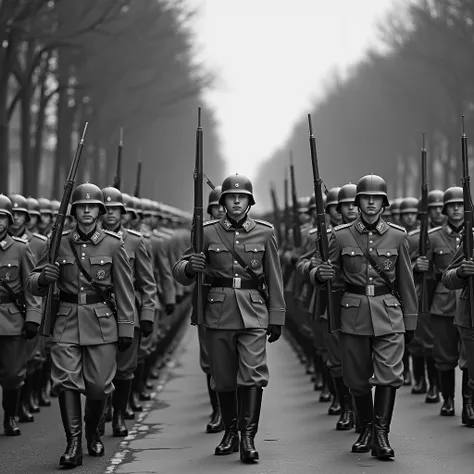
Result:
[[146, 328], [30, 329], [179, 298], [49, 274], [274, 332], [124, 343], [409, 335], [169, 309]]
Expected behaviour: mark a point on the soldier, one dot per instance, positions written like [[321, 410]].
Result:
[[145, 303], [34, 212], [435, 208], [239, 312], [92, 267], [378, 310], [18, 322], [55, 204], [45, 224], [395, 210]]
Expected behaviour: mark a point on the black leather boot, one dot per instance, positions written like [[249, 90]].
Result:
[[447, 390], [433, 379], [119, 403], [406, 368], [230, 441], [384, 402], [365, 412], [24, 415], [45, 384], [134, 399], [10, 401], [215, 424], [467, 417], [419, 374], [250, 402], [93, 415], [129, 414], [335, 407], [70, 407], [33, 402], [346, 419], [101, 426], [325, 395], [318, 367]]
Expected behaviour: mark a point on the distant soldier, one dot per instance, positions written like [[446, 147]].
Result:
[[45, 224], [395, 210], [34, 212], [94, 319], [239, 311]]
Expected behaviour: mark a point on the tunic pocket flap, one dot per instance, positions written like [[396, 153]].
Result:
[[131, 254], [10, 263], [216, 297], [387, 252], [64, 310], [66, 260], [349, 302], [441, 250], [254, 247], [103, 312], [352, 251], [217, 248], [256, 299], [391, 302], [13, 309], [100, 260]]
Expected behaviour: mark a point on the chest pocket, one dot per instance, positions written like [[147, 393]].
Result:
[[101, 268], [218, 256], [10, 270], [387, 259], [67, 268], [442, 257], [254, 255], [352, 259]]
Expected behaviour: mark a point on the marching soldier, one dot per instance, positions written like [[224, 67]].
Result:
[[20, 315], [240, 311], [395, 210], [45, 223], [34, 212], [378, 310], [91, 269]]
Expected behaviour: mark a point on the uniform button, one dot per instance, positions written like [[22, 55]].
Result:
[[260, 301], [9, 265], [84, 245], [457, 239], [347, 305], [369, 266], [236, 274], [388, 254], [370, 250], [370, 278], [218, 250], [82, 258], [212, 299], [440, 251], [236, 241], [101, 262], [82, 288], [352, 253], [64, 261], [83, 254], [236, 233], [236, 262], [371, 234], [254, 250]]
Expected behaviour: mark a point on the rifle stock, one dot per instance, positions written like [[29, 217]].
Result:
[[424, 242], [50, 305]]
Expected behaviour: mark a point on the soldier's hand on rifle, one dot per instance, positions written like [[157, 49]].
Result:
[[325, 272], [30, 329], [314, 262], [466, 269], [196, 264], [49, 274], [422, 264], [274, 332]]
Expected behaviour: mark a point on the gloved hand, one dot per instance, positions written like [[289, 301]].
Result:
[[30, 329], [409, 335], [146, 328], [466, 269], [274, 332], [179, 298], [294, 258], [169, 309], [314, 262], [197, 263], [48, 275], [325, 272], [124, 343], [422, 264]]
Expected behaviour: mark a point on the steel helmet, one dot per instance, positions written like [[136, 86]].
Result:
[[147, 206], [303, 204], [20, 204], [409, 204], [214, 196], [113, 198], [372, 185], [237, 184], [435, 198], [55, 205], [332, 197], [137, 205], [87, 193], [129, 204], [395, 206], [312, 203], [452, 195], [6, 207], [45, 206], [33, 206], [346, 194]]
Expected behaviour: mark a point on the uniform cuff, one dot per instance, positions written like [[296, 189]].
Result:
[[276, 317], [126, 329], [35, 287], [147, 314], [410, 321], [34, 316]]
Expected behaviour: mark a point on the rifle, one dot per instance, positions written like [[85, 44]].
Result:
[[139, 177], [468, 240], [209, 182], [321, 224], [296, 215], [198, 233], [286, 210], [424, 241], [51, 302], [276, 213], [118, 173]]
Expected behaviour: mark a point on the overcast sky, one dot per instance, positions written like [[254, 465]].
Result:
[[272, 59]]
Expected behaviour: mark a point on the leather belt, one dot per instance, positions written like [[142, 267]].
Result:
[[236, 283], [81, 298], [4, 299], [369, 290]]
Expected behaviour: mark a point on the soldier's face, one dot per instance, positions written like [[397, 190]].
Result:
[[435, 215], [4, 223], [304, 217], [217, 211], [370, 205], [87, 214], [236, 204], [19, 219], [348, 211], [408, 219], [113, 216], [334, 215], [46, 220], [33, 222], [455, 212]]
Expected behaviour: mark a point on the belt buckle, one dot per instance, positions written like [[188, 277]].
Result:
[[82, 298], [237, 283], [370, 290]]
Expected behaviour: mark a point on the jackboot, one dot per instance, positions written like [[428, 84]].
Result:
[[33, 402], [45, 384], [119, 403], [335, 407], [250, 401], [101, 426], [365, 412], [447, 379], [70, 408], [406, 368], [384, 403], [230, 441], [129, 414], [419, 374], [346, 418], [318, 368], [215, 424], [433, 379], [325, 395], [24, 415], [134, 399], [93, 415], [467, 417], [10, 401]]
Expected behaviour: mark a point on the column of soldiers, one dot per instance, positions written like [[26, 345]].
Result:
[[116, 309]]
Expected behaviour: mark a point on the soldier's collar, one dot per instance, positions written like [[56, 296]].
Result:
[[95, 238], [450, 229], [381, 226], [6, 242], [247, 225]]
